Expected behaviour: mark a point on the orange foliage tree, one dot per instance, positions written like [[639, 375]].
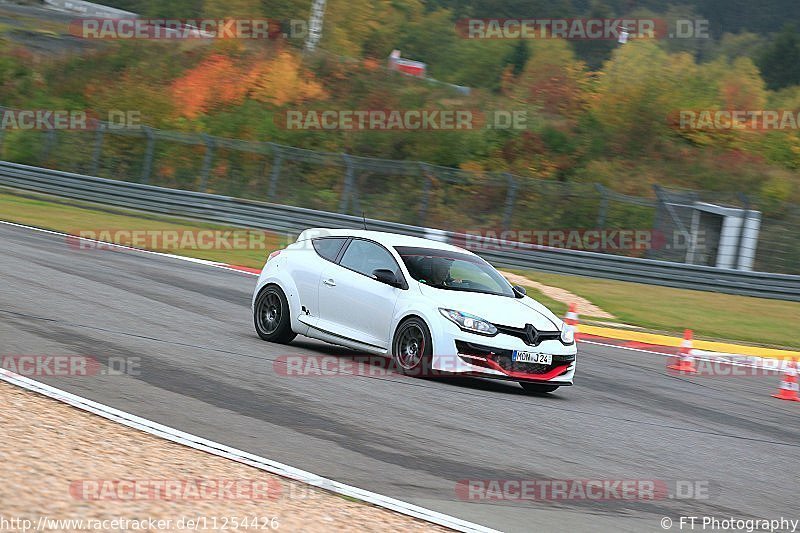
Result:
[[218, 81], [282, 81]]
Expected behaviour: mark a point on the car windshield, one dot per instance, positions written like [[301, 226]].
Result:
[[454, 271]]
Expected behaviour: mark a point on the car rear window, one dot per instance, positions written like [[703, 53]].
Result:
[[328, 247]]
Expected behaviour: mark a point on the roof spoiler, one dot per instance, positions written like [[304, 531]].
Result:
[[313, 233]]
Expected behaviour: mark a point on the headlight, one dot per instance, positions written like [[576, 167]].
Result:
[[468, 322], [567, 334]]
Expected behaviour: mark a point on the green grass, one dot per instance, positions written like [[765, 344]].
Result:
[[711, 315], [73, 217], [559, 308]]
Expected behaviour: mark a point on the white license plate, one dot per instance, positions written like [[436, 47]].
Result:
[[532, 357]]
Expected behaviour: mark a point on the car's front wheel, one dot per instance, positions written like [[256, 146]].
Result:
[[271, 316], [412, 347], [537, 388]]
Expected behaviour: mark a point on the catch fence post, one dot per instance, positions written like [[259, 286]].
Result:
[[147, 163], [94, 169], [511, 197], [349, 176], [275, 174], [207, 159]]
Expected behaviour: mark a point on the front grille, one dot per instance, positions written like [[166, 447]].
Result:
[[503, 358], [522, 333]]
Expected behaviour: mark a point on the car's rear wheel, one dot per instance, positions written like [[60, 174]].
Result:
[[412, 347], [271, 316], [537, 388]]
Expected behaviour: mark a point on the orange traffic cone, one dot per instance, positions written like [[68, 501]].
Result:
[[788, 390], [571, 318], [686, 361]]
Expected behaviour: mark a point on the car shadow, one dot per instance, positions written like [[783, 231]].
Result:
[[379, 366]]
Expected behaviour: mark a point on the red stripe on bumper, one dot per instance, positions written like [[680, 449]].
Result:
[[557, 371]]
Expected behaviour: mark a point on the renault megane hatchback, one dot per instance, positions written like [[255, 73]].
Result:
[[433, 308]]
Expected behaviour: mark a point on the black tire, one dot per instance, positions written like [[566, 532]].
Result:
[[271, 316], [412, 348], [537, 388]]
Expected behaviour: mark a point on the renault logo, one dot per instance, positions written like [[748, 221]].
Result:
[[532, 333]]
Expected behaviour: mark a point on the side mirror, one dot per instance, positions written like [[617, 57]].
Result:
[[384, 275], [519, 292]]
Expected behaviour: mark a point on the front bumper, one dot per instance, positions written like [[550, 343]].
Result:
[[491, 357], [499, 360]]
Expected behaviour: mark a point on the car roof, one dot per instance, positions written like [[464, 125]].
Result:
[[385, 238]]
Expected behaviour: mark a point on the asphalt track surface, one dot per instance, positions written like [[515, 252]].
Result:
[[203, 370]]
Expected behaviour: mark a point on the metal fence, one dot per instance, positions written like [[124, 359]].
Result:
[[248, 213], [407, 192]]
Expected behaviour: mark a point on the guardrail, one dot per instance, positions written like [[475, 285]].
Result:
[[261, 215], [88, 9]]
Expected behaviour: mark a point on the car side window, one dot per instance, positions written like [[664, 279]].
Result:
[[364, 257], [328, 248]]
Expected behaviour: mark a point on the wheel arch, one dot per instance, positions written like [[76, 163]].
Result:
[[289, 291], [264, 286], [407, 316]]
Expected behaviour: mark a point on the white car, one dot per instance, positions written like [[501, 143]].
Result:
[[432, 307]]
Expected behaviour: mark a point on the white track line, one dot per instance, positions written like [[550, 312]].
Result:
[[274, 467], [216, 448]]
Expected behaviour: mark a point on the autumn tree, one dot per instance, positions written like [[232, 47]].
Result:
[[780, 61], [552, 79], [220, 80]]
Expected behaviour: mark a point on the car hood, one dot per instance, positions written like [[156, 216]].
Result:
[[514, 312]]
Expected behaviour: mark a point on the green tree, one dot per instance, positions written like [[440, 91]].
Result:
[[640, 88], [780, 60], [552, 79], [518, 57], [733, 45]]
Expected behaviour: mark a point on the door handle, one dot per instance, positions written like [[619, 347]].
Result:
[[329, 282]]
